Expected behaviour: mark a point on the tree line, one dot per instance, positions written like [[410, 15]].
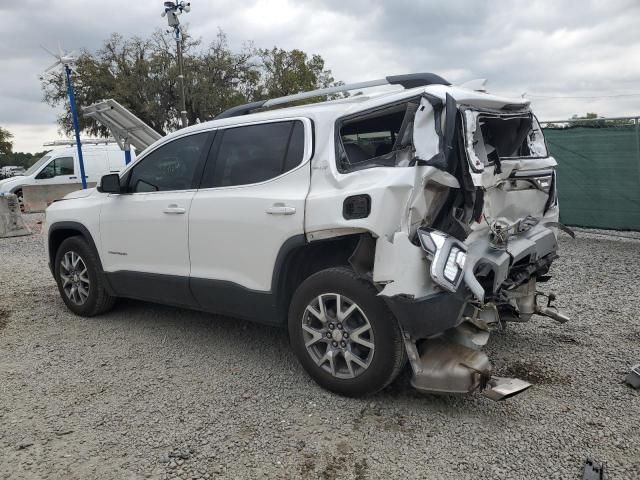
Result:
[[142, 74]]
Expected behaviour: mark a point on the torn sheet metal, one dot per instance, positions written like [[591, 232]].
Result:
[[402, 266], [400, 198], [427, 135]]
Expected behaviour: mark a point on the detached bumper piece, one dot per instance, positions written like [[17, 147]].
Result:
[[633, 377], [593, 470], [447, 367]]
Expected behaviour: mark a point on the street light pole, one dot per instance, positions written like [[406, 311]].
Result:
[[171, 11]]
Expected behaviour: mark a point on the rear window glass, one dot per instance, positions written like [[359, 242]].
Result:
[[498, 137]]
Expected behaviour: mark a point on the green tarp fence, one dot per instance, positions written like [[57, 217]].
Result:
[[598, 175]]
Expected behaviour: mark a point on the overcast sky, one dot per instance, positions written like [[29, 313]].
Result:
[[587, 48]]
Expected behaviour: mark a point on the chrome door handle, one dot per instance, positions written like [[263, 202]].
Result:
[[175, 209], [280, 209]]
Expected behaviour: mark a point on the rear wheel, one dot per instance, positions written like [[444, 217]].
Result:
[[343, 333], [79, 279]]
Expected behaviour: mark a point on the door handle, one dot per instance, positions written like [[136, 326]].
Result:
[[72, 178], [174, 209], [280, 209]]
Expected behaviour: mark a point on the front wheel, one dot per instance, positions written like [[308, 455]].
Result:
[[20, 200], [79, 279], [343, 333]]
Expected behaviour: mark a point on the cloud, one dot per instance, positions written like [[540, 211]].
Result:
[[544, 47]]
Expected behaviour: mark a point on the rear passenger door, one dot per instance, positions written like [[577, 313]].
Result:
[[250, 202]]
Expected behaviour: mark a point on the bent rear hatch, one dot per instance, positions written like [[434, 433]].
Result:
[[508, 158]]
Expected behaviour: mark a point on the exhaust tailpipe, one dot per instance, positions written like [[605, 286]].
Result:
[[552, 313], [550, 310], [500, 388]]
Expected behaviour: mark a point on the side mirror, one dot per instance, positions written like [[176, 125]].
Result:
[[110, 183]]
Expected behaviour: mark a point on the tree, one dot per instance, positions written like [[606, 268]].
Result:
[[20, 159], [593, 120], [288, 72], [142, 75], [6, 145]]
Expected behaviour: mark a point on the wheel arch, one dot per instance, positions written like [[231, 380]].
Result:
[[60, 231], [299, 259]]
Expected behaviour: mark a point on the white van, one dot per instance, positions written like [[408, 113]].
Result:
[[61, 166], [11, 171]]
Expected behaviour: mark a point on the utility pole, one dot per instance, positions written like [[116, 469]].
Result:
[[171, 11]]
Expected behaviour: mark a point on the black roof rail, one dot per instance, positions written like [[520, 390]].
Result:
[[411, 80]]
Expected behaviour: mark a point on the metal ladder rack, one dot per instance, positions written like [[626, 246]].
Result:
[[84, 141]]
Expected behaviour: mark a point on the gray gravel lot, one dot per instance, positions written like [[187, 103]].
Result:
[[148, 391]]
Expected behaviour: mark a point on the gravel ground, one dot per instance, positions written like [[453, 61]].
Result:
[[148, 391]]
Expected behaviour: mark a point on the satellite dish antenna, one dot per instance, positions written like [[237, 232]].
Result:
[[67, 61]]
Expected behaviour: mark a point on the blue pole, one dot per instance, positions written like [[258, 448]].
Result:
[[127, 156], [74, 116]]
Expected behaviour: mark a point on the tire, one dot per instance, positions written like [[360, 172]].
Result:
[[95, 299], [331, 359], [20, 200]]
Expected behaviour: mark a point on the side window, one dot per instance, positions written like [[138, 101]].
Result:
[[57, 167], [64, 166], [171, 167], [254, 153], [378, 138]]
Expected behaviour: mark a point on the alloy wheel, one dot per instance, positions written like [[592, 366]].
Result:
[[75, 278], [338, 335]]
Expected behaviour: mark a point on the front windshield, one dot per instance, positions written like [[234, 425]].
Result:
[[34, 168]]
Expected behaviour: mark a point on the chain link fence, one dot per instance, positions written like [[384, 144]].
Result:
[[598, 171]]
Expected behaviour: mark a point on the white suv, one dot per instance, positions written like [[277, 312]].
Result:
[[405, 224]]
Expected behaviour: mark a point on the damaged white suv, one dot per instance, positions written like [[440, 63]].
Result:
[[404, 224]]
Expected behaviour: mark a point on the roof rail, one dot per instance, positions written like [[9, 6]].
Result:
[[83, 141], [411, 80]]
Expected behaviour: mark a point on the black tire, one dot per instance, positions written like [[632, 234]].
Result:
[[98, 300], [20, 200], [387, 358]]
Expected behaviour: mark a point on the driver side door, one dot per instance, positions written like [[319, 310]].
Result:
[[57, 171], [144, 231]]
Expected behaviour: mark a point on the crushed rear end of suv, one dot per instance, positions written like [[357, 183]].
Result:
[[403, 225]]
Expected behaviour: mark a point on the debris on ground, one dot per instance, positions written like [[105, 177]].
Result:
[[633, 377], [593, 470]]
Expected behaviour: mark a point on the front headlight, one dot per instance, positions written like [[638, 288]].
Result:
[[448, 256]]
